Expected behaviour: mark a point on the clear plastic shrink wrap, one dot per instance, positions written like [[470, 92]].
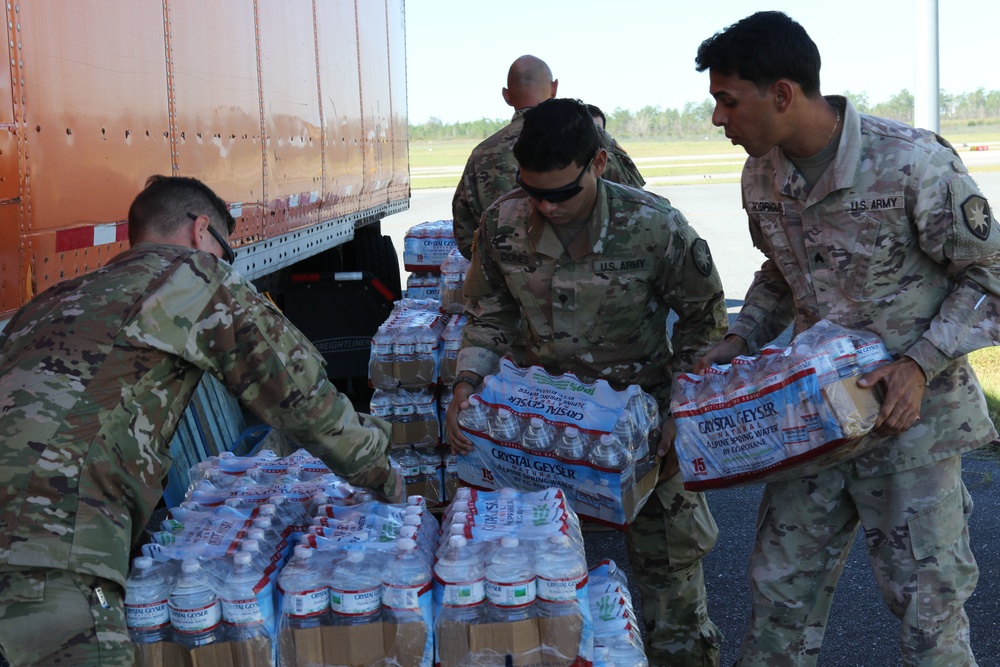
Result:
[[782, 414], [532, 430], [510, 582]]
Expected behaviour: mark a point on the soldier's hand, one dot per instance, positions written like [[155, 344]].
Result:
[[460, 400], [904, 383], [665, 451], [730, 348]]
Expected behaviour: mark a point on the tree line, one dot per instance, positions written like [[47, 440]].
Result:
[[978, 107]]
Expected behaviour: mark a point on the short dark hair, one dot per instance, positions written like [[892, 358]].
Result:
[[556, 133], [164, 203], [595, 112], [761, 49]]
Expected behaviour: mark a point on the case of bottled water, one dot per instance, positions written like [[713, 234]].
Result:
[[785, 413], [426, 245], [532, 430], [214, 589], [511, 580], [406, 348], [617, 637]]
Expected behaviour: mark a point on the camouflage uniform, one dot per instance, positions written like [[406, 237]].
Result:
[[599, 309], [894, 238], [489, 173], [94, 376]]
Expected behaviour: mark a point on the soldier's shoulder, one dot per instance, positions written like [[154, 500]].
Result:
[[502, 139], [892, 130], [629, 197], [514, 203]]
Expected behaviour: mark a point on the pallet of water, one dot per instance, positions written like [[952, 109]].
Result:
[[532, 430], [213, 589], [784, 413]]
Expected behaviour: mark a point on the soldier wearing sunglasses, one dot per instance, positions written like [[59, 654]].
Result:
[[575, 273]]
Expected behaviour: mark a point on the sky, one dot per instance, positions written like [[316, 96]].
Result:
[[637, 53]]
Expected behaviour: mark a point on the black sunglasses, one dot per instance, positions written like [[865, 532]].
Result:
[[555, 195], [227, 251]]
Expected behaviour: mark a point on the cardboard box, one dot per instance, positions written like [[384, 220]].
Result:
[[355, 646], [350, 646], [536, 642], [220, 654]]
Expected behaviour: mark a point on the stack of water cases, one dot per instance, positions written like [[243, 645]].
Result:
[[404, 369], [425, 248], [510, 581], [412, 367], [617, 638], [205, 590], [531, 430]]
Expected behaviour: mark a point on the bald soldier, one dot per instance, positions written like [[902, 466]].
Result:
[[490, 169], [95, 373]]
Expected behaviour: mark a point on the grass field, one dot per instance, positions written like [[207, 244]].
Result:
[[439, 164]]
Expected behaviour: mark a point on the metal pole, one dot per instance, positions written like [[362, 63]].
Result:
[[926, 98]]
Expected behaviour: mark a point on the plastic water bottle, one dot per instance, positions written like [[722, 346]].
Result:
[[404, 411], [381, 364], [627, 434], [410, 463], [539, 436], [476, 417], [146, 611], [510, 582], [431, 467], [242, 612], [195, 610], [306, 595], [355, 590], [251, 545], [572, 446], [610, 453], [428, 526], [426, 343], [505, 427], [381, 405], [462, 576], [561, 570], [623, 653], [404, 578], [405, 346]]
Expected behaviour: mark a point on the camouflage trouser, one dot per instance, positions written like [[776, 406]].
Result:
[[916, 532], [667, 541], [53, 617]]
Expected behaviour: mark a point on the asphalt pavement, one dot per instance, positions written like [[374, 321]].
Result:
[[861, 632]]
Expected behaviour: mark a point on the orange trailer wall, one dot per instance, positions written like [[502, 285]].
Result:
[[293, 111]]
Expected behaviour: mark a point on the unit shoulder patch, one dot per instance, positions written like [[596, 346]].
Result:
[[979, 220], [702, 257]]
